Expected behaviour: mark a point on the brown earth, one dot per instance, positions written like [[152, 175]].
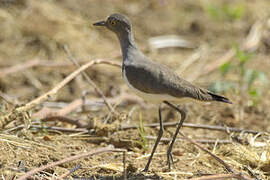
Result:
[[37, 30]]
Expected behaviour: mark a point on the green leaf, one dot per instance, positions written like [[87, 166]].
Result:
[[225, 11], [234, 12], [263, 78], [213, 11], [250, 76], [224, 68], [141, 130], [242, 56], [255, 93]]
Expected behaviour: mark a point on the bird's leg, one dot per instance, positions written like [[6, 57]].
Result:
[[160, 133], [183, 117]]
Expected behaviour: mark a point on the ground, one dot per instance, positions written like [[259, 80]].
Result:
[[226, 49]]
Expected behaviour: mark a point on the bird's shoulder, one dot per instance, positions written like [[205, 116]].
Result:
[[143, 62]]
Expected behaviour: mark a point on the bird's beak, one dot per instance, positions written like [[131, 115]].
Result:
[[100, 23]]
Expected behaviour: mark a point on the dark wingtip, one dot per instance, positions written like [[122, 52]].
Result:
[[226, 100], [220, 98]]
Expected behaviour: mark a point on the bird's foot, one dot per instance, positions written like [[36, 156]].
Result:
[[146, 169], [169, 159]]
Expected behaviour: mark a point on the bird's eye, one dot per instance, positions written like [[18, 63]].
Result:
[[113, 22]]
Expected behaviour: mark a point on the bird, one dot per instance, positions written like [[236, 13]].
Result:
[[153, 81]]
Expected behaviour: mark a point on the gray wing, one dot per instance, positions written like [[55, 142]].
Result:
[[154, 78]]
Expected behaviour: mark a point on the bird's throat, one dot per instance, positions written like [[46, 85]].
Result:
[[127, 43]]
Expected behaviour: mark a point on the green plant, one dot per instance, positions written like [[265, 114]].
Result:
[[225, 11], [141, 130], [246, 77], [42, 130]]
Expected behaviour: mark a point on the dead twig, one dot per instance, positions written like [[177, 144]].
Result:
[[79, 130], [69, 159], [70, 171], [124, 165], [52, 92], [41, 63], [84, 130], [78, 103], [227, 167], [89, 80], [64, 119], [67, 108], [7, 98], [19, 67], [83, 127], [203, 141], [52, 128], [218, 176], [251, 172], [47, 112], [198, 126], [7, 118], [70, 107]]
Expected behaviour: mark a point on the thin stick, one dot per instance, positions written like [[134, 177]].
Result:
[[7, 118], [69, 159], [34, 63], [168, 124], [203, 141], [41, 63], [84, 130], [19, 67], [52, 92], [53, 128], [67, 108], [198, 126], [6, 98], [124, 165], [46, 112], [227, 167], [70, 171], [89, 80], [60, 128], [70, 107], [218, 176], [63, 119]]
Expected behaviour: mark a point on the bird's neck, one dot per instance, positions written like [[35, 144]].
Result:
[[127, 44]]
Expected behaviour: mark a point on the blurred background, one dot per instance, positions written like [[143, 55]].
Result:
[[221, 45]]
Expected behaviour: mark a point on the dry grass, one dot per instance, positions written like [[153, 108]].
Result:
[[38, 30]]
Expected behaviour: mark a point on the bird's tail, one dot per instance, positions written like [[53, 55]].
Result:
[[220, 98]]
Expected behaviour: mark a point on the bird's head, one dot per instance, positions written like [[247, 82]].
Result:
[[116, 23]]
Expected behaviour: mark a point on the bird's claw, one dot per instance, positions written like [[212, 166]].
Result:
[[169, 159], [145, 170]]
